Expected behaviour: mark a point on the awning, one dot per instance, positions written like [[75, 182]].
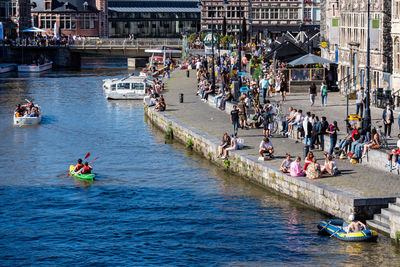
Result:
[[309, 59], [154, 9], [162, 50], [33, 29]]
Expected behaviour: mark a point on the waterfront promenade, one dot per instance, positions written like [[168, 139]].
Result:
[[356, 179]]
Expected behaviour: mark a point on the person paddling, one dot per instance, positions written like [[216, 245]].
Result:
[[87, 169], [78, 166]]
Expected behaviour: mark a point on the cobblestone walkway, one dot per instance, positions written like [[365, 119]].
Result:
[[358, 180]]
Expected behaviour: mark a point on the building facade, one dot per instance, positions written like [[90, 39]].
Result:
[[153, 18], [345, 32], [73, 17], [263, 17], [396, 45], [16, 16]]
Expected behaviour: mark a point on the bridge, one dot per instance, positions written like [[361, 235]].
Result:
[[118, 47], [69, 55]]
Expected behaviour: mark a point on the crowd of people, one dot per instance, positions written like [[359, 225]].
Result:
[[27, 110]]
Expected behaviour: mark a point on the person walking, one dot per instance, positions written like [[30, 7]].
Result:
[[235, 119], [313, 92], [360, 101], [284, 87], [264, 87], [387, 117], [324, 93]]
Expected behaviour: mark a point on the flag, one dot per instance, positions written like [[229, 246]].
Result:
[[1, 31], [55, 31]]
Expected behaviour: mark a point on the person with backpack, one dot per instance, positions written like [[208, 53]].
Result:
[[332, 131], [324, 93]]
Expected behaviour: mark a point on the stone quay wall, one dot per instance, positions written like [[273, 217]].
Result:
[[324, 198]]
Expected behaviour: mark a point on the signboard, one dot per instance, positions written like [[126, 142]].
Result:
[[374, 34], [208, 40], [334, 31], [324, 44]]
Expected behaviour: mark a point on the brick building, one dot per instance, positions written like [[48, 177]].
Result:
[[263, 17], [345, 32], [75, 17], [16, 16]]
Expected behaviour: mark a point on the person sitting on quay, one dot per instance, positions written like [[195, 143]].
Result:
[[330, 166], [308, 159], [295, 168], [346, 139], [161, 105], [233, 146], [226, 141], [256, 119], [285, 166], [228, 97], [358, 145], [313, 170], [355, 135], [288, 119], [394, 152], [374, 143], [266, 147]]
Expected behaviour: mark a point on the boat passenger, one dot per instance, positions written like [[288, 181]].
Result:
[[78, 166], [355, 226], [19, 111], [87, 169], [34, 112]]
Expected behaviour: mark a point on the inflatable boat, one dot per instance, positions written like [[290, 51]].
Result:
[[338, 229]]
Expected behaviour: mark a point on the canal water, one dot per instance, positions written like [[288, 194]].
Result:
[[153, 203]]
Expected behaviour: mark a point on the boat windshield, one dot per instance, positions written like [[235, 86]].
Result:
[[113, 86], [137, 86], [123, 86]]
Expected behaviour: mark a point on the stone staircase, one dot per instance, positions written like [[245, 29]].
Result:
[[389, 220]]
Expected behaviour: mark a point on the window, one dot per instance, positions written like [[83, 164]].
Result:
[[47, 22], [86, 21], [67, 22], [47, 5], [123, 86], [274, 13], [284, 13], [293, 14], [137, 86], [13, 9], [307, 13]]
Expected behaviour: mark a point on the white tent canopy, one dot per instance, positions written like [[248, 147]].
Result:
[[33, 29]]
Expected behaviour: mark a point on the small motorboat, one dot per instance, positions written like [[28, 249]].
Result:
[[83, 177], [27, 119], [6, 67], [337, 228], [35, 67]]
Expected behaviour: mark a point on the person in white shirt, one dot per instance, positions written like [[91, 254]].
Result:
[[299, 122], [266, 147], [360, 97]]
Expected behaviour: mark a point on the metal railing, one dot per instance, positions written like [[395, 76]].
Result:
[[119, 43]]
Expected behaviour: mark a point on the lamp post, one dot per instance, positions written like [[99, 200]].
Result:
[[212, 46], [367, 118], [240, 41]]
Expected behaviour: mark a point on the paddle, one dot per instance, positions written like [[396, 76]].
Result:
[[325, 226], [335, 232], [94, 159]]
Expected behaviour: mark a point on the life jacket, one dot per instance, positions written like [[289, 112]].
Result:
[[86, 169], [78, 167]]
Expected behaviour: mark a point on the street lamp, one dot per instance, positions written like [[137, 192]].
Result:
[[367, 118], [212, 46], [240, 41]]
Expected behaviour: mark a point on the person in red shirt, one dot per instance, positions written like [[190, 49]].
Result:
[[78, 166], [86, 169]]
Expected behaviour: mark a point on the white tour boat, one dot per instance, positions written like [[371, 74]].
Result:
[[6, 67], [35, 68], [130, 87]]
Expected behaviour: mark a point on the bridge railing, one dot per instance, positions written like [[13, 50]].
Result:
[[109, 43]]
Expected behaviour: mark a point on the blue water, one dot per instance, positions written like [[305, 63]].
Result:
[[152, 203]]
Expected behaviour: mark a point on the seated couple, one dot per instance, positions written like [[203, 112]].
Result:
[[229, 143]]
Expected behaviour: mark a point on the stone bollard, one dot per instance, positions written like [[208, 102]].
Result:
[[187, 73], [181, 98]]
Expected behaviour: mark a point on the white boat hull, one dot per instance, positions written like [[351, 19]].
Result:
[[27, 120], [7, 67], [35, 68], [124, 95]]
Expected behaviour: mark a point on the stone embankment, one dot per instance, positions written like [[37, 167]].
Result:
[[198, 125]]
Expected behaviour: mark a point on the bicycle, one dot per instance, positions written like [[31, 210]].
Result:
[[382, 136]]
